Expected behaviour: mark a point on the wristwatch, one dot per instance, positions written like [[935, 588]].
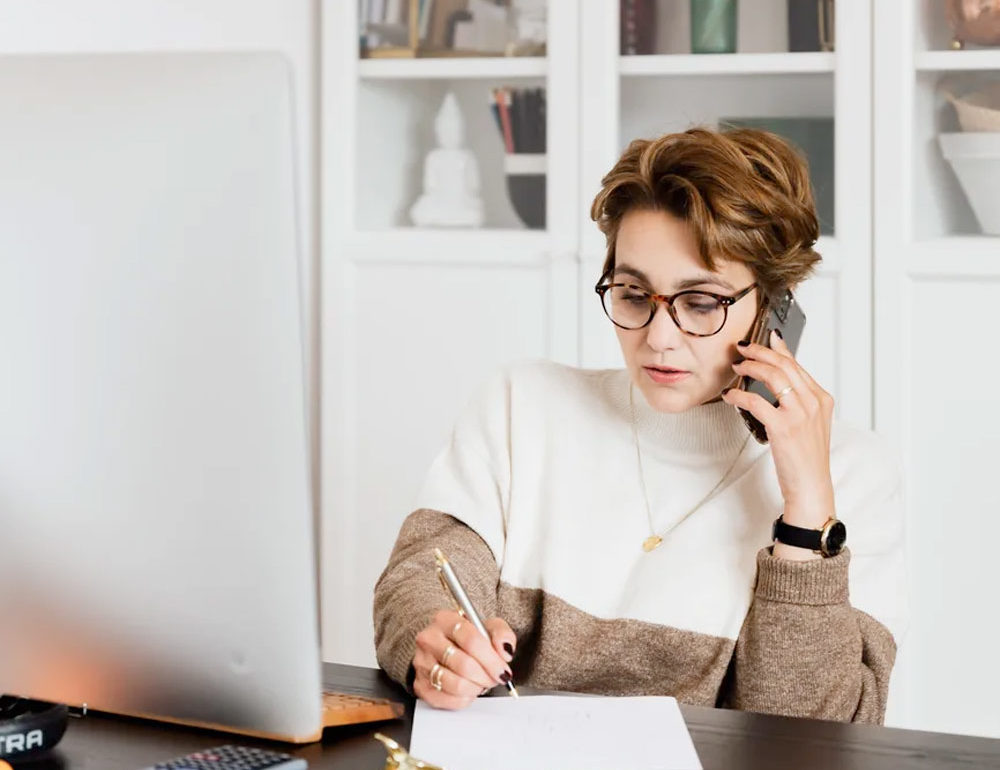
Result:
[[828, 541]]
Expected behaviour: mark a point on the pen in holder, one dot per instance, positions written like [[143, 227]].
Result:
[[525, 174]]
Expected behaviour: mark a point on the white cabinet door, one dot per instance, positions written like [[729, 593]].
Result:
[[951, 407], [414, 345], [937, 280]]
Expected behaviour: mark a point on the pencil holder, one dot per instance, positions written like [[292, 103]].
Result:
[[525, 174]]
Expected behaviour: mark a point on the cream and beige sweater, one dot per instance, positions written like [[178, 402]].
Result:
[[536, 500]]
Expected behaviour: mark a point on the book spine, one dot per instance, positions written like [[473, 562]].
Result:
[[629, 36], [803, 25], [645, 26], [425, 17], [394, 12], [503, 101]]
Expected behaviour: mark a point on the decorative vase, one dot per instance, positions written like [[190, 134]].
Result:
[[713, 26]]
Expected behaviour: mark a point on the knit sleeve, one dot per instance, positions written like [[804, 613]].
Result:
[[408, 594], [805, 649], [461, 510]]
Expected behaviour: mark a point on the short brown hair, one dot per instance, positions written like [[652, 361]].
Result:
[[745, 193]]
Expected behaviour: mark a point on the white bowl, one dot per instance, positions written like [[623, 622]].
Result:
[[979, 110], [975, 157]]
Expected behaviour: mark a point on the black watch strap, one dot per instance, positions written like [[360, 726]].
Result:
[[811, 539], [797, 536]]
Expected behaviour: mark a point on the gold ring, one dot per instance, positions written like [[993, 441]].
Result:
[[448, 652], [783, 392], [437, 673], [455, 629]]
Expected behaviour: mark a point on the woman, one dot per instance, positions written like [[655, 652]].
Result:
[[616, 526]]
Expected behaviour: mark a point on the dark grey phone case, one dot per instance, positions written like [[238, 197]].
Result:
[[785, 315]]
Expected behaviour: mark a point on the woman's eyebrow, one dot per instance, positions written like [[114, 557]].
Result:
[[634, 272], [687, 283], [701, 280]]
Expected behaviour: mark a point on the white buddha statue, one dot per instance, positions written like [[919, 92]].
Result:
[[451, 176]]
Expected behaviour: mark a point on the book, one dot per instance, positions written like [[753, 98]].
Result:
[[638, 27], [425, 17], [519, 114], [803, 25], [394, 11], [504, 101]]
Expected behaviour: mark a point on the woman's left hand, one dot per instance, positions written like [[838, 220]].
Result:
[[798, 429]]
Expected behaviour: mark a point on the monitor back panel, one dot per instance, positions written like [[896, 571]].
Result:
[[156, 551]]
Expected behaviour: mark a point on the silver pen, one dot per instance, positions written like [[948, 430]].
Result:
[[450, 582]]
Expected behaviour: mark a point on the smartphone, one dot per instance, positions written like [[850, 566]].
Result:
[[786, 315]]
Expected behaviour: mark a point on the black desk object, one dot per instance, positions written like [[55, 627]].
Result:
[[725, 740]]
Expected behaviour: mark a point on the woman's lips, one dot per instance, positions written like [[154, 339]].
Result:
[[665, 376]]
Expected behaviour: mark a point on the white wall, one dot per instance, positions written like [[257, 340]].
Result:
[[287, 26]]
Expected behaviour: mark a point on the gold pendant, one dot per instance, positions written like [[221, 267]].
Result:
[[651, 543]]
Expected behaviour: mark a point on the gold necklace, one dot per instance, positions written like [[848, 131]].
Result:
[[654, 540]]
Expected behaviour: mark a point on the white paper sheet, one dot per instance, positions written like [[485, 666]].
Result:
[[555, 731]]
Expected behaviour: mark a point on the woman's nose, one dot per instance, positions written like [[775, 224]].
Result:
[[662, 333]]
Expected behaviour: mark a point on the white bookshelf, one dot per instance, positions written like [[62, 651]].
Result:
[[956, 257], [829, 248], [385, 115], [397, 290], [475, 248], [937, 277], [958, 61], [472, 68], [726, 64]]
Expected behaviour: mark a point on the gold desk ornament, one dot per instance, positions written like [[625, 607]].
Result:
[[399, 758]]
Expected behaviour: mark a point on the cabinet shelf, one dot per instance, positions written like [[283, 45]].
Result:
[[957, 257], [519, 248], [726, 64], [454, 68], [427, 246], [953, 61]]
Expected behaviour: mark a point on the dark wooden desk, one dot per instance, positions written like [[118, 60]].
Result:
[[726, 740]]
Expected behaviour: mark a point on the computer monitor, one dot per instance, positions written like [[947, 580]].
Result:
[[156, 533]]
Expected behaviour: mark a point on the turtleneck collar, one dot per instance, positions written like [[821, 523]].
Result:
[[709, 430]]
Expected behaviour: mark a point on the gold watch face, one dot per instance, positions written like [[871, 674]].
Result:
[[834, 538]]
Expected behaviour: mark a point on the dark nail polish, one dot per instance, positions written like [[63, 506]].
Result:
[[743, 343], [780, 335], [510, 650], [739, 360], [725, 391], [505, 677]]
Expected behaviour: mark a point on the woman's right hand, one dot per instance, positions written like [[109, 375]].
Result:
[[470, 664]]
